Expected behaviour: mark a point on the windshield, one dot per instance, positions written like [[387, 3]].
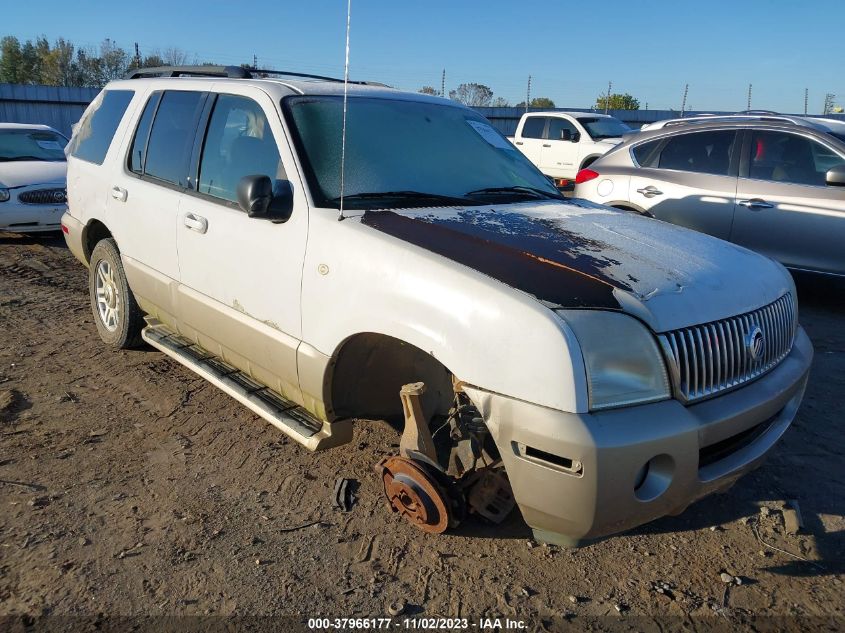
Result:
[[402, 153], [604, 127], [21, 144]]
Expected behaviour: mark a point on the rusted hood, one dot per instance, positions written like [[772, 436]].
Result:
[[577, 254]]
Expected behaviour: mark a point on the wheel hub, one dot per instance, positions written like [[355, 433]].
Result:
[[415, 494]]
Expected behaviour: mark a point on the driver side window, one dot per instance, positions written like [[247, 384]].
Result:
[[238, 143]]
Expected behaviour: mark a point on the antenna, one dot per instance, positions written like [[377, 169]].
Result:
[[345, 97]]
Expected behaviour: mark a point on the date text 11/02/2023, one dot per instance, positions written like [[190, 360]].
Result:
[[481, 624]]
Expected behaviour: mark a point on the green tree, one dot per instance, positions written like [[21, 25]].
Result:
[[499, 102], [472, 94], [10, 60], [538, 102], [617, 102]]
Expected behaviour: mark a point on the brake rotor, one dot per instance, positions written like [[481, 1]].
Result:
[[415, 494]]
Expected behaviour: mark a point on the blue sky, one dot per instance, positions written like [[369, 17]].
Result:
[[648, 48]]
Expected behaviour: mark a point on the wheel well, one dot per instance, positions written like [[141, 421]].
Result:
[[93, 233], [628, 207], [368, 370]]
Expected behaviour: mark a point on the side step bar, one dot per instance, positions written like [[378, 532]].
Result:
[[287, 416]]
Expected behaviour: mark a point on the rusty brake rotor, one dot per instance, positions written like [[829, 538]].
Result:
[[415, 493]]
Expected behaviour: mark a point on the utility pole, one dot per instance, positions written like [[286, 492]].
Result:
[[443, 84], [684, 100], [254, 61], [828, 103], [607, 100], [749, 97], [806, 99], [528, 94], [137, 56]]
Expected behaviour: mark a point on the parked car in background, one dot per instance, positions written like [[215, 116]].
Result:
[[32, 178], [597, 368], [772, 183], [562, 143]]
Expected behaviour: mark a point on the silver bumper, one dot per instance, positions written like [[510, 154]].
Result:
[[579, 477]]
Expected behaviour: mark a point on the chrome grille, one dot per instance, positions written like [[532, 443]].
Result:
[[707, 359], [44, 196]]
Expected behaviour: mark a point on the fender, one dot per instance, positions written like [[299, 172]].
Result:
[[357, 279]]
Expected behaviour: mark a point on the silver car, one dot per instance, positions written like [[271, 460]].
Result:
[[775, 184]]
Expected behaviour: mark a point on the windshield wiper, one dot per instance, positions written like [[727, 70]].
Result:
[[403, 195], [516, 189]]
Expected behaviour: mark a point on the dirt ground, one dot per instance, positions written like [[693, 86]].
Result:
[[130, 487]]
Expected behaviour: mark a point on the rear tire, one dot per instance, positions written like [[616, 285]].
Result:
[[117, 316]]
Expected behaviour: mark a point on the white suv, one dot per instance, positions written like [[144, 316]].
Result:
[[599, 368]]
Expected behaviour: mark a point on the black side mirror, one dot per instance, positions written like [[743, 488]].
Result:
[[835, 176], [576, 137], [566, 135], [266, 199]]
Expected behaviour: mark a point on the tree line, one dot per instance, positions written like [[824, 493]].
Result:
[[478, 95], [64, 64]]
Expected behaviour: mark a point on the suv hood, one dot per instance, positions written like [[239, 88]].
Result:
[[31, 172], [577, 254]]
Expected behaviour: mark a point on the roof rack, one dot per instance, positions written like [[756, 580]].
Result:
[[232, 72], [795, 120]]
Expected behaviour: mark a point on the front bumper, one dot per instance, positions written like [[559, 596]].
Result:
[[580, 477], [17, 217]]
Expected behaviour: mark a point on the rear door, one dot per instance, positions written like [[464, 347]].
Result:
[[532, 138], [784, 208], [241, 276], [688, 179], [559, 156], [145, 192]]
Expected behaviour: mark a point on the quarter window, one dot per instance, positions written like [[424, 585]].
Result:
[[139, 144], [238, 143], [790, 158], [700, 152], [533, 127], [172, 136], [95, 133]]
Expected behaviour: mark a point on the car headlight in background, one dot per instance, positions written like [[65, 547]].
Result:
[[4, 195], [624, 364]]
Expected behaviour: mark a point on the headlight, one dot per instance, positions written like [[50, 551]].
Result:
[[4, 195], [624, 365]]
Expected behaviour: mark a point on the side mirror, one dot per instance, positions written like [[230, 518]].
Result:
[[566, 135], [576, 137], [835, 176], [266, 199]]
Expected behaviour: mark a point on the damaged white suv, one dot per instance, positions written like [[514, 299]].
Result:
[[598, 368]]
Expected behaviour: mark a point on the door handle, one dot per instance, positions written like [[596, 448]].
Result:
[[546, 145], [195, 222], [650, 191], [518, 143], [119, 194], [755, 203]]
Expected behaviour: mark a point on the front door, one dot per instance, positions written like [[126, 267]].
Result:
[[784, 208], [688, 179], [241, 276], [559, 157]]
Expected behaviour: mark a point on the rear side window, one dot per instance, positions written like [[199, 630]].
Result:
[[96, 131], [646, 154], [533, 127], [172, 136], [238, 143], [699, 152]]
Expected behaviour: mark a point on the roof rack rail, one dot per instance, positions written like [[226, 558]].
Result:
[[232, 72], [235, 72], [693, 120]]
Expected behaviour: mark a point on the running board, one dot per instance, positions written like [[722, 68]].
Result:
[[287, 416]]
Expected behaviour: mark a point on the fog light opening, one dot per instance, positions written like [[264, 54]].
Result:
[[654, 477]]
